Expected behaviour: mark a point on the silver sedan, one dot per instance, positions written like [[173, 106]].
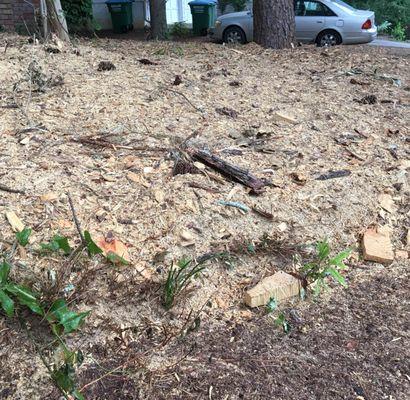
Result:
[[324, 22]]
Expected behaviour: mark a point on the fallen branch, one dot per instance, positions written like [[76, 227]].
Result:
[[186, 98], [11, 190], [100, 142], [230, 171]]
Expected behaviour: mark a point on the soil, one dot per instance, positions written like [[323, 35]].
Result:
[[110, 139]]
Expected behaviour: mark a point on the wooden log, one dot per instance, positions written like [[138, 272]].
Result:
[[230, 171]]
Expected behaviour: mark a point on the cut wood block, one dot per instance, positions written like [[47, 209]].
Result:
[[15, 222], [377, 246], [281, 286]]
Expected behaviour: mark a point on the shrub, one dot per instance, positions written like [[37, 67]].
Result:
[[180, 30], [398, 32]]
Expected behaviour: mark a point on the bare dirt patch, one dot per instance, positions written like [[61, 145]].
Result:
[[295, 118]]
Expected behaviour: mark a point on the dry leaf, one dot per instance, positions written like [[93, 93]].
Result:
[[113, 246]]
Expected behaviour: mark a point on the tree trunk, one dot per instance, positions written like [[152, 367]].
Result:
[[158, 19], [273, 23], [57, 19]]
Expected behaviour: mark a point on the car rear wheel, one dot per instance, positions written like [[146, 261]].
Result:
[[234, 35], [328, 38]]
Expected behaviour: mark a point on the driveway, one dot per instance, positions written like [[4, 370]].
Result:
[[390, 43]]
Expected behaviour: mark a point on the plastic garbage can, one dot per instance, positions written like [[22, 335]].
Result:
[[121, 15], [203, 15]]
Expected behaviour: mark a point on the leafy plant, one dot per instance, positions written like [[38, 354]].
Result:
[[23, 236], [282, 322], [399, 32], [324, 266], [179, 278], [180, 30], [62, 319], [272, 304], [57, 243], [384, 27], [92, 248], [79, 15]]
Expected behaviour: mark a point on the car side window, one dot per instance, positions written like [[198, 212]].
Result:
[[305, 8]]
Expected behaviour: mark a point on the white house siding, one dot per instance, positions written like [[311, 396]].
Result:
[[178, 11]]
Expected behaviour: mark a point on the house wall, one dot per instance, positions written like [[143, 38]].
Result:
[[14, 13]]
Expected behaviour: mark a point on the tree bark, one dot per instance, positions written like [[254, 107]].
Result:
[[273, 23], [158, 19], [57, 19]]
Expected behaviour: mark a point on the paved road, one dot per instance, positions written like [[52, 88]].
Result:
[[390, 43]]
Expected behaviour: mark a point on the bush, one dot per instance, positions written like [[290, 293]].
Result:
[[398, 32], [79, 15], [180, 30]]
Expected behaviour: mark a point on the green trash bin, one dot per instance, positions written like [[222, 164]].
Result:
[[121, 15], [203, 15]]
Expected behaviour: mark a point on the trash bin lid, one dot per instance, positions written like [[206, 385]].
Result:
[[118, 1], [202, 2]]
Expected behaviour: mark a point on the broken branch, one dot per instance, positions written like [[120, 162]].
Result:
[[230, 171]]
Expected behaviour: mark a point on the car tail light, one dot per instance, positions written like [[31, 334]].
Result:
[[367, 24]]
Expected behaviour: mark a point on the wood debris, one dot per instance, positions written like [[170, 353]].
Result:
[[280, 286], [377, 246], [14, 221]]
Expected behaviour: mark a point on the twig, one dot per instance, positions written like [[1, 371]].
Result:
[[100, 142], [186, 98], [5, 188], [76, 221], [262, 213]]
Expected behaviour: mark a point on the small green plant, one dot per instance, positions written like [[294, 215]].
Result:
[[61, 321], [324, 266], [180, 30], [399, 32], [272, 304], [23, 236], [56, 244], [384, 27], [179, 278], [282, 322]]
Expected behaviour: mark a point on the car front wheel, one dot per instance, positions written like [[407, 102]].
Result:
[[328, 38], [234, 35]]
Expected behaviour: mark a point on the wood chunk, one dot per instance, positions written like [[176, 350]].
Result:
[[281, 286], [377, 246], [402, 254], [387, 203], [15, 222], [49, 197]]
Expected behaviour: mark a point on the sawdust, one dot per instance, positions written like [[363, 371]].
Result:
[[126, 184]]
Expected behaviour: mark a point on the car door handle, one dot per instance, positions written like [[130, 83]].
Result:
[[319, 22]]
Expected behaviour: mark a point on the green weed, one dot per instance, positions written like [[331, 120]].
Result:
[[180, 30], [324, 266], [399, 32], [179, 277], [282, 322]]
